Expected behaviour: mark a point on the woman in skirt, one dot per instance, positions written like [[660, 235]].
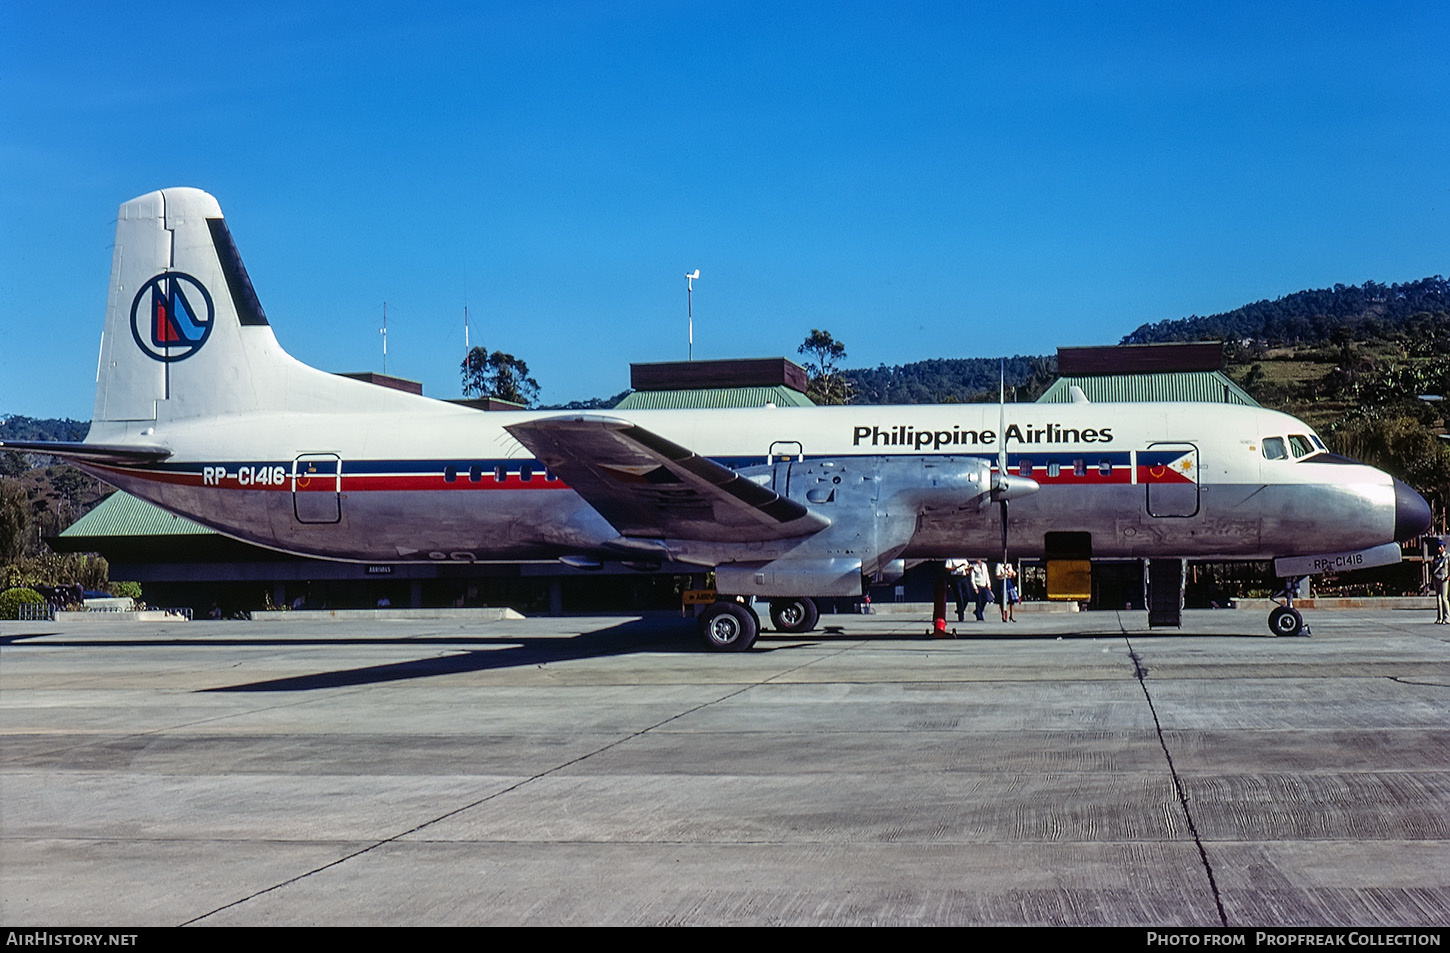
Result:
[[1008, 574]]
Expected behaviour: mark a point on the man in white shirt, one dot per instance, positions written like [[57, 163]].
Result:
[[982, 583]]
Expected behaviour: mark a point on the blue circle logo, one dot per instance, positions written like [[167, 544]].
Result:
[[171, 317]]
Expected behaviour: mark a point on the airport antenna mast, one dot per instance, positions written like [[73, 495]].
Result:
[[384, 332], [690, 278]]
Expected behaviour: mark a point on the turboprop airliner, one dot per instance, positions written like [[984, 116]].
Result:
[[199, 410]]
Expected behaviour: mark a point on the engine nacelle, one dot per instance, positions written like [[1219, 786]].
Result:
[[830, 576]]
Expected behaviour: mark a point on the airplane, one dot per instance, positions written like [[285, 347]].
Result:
[[199, 410]]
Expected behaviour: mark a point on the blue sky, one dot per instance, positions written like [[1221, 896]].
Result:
[[923, 180]]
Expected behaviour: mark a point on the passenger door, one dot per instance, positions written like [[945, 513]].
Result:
[[1170, 471], [317, 488]]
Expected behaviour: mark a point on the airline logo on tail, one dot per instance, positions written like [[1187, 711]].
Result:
[[171, 317]]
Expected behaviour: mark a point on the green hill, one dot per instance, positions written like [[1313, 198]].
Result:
[[1368, 311]]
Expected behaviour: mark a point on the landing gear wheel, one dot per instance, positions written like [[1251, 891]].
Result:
[[1286, 621], [794, 615], [728, 627]]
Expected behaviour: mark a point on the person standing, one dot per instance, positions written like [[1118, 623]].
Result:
[[960, 571], [982, 582], [1440, 572], [1008, 574]]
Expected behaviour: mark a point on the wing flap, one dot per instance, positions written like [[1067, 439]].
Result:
[[647, 486]]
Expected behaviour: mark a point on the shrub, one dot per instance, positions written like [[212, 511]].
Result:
[[126, 589], [12, 599]]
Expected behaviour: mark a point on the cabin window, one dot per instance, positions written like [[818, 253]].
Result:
[[1024, 467], [1105, 468], [450, 473], [500, 474], [1274, 448], [549, 476], [475, 473], [1053, 469], [1079, 467], [526, 473], [1300, 445]]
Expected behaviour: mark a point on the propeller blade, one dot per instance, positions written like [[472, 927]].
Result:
[[1003, 595], [1002, 420]]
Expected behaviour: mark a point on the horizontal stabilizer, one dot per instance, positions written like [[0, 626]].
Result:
[[117, 454], [646, 486]]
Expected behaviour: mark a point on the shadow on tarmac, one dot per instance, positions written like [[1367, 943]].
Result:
[[633, 635], [655, 633]]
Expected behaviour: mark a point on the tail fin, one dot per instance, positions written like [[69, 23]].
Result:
[[185, 334], [170, 316]]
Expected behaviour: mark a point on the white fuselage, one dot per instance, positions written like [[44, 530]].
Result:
[[200, 410], [427, 480]]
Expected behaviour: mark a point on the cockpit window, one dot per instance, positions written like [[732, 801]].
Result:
[[1300, 445], [1274, 448], [1318, 443]]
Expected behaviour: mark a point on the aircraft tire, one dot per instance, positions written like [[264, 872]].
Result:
[[1286, 621], [728, 626], [797, 614]]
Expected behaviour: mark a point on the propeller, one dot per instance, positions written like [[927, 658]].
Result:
[[1004, 486], [1002, 457]]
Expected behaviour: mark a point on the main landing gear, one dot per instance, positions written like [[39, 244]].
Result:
[[797, 614], [730, 626], [1285, 619]]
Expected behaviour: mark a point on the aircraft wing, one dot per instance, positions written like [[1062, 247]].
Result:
[[644, 485], [116, 454]]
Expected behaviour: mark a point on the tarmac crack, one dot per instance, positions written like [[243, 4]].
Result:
[[1401, 680], [1140, 672], [496, 794]]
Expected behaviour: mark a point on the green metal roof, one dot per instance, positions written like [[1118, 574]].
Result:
[[714, 398], [122, 514], [1209, 387]]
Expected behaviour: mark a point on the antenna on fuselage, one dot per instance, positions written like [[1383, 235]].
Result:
[[690, 278], [384, 332]]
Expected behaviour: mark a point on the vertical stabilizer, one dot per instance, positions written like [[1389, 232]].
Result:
[[186, 339], [185, 336]]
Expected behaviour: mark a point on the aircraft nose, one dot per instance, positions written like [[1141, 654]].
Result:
[[1412, 513]]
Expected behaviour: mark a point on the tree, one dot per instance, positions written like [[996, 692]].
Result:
[[498, 375], [825, 384], [14, 520]]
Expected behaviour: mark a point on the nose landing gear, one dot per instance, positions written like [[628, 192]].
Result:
[[1285, 619]]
